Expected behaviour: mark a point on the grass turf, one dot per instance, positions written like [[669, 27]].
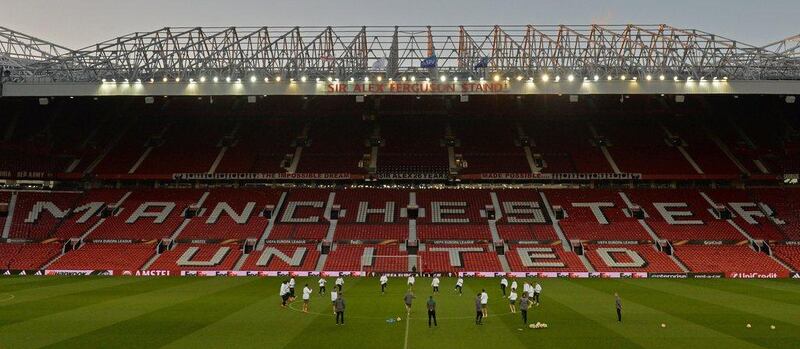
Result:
[[83, 312]]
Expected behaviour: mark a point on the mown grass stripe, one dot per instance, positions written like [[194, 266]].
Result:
[[164, 325], [31, 282], [75, 296], [667, 298], [45, 330]]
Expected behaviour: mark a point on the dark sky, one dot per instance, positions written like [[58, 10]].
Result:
[[79, 23]]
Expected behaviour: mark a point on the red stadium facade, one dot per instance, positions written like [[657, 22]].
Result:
[[483, 164]]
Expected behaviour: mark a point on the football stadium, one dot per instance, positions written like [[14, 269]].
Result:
[[514, 186]]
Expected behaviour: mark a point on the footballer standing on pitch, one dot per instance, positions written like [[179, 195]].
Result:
[[618, 304], [524, 304], [306, 297], [322, 283], [338, 308], [435, 284], [478, 310], [432, 312], [384, 282]]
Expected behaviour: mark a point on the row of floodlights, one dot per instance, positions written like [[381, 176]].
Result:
[[442, 78]]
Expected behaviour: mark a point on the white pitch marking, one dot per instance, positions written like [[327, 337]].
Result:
[[408, 323]]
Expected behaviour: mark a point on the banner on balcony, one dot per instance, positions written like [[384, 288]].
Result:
[[260, 176], [562, 176]]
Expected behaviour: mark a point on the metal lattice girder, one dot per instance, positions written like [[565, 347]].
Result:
[[393, 52], [18, 51]]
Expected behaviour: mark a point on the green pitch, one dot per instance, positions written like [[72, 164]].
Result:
[[236, 312]]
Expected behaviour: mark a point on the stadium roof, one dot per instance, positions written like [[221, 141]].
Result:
[[523, 52]]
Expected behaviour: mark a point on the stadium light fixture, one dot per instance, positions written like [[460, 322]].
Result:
[[317, 80], [609, 78], [152, 80], [442, 78], [455, 78], [519, 77], [469, 79], [253, 78], [725, 78], [278, 79], [177, 79], [570, 77], [138, 81], [596, 78], [675, 78], [266, 79], [164, 79], [215, 79], [404, 78], [379, 78], [366, 79], [661, 77], [126, 81], [545, 78], [202, 79], [558, 78], [303, 78], [634, 78], [330, 79], [191, 80], [104, 80], [623, 77], [714, 78], [352, 79], [413, 78], [496, 78], [227, 79], [649, 77], [238, 80]]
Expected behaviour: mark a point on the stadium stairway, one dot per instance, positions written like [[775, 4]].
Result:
[[271, 225], [564, 242], [12, 203]]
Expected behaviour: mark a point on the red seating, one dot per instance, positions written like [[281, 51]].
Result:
[[710, 229], [308, 263], [190, 146], [337, 145], [345, 258], [286, 229], [145, 228], [570, 261], [639, 146], [169, 259], [521, 231], [700, 146], [762, 228], [788, 254], [105, 257], [566, 147], [374, 226], [27, 256], [656, 262], [471, 226], [580, 222], [45, 223], [412, 149], [260, 146], [727, 259], [472, 261], [786, 206], [225, 227], [71, 228], [349, 258], [490, 148]]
